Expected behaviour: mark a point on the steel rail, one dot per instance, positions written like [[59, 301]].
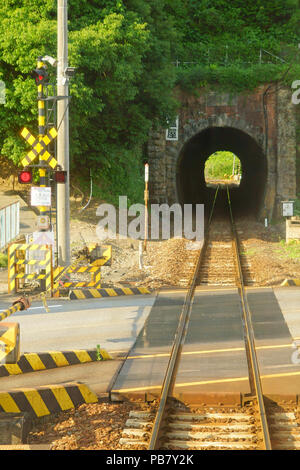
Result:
[[250, 335], [172, 367]]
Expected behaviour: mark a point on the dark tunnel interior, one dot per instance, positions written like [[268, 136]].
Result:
[[248, 197]]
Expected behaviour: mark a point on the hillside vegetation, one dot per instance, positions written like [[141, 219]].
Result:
[[129, 56]]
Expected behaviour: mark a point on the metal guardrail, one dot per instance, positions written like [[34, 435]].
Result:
[[9, 223], [226, 56]]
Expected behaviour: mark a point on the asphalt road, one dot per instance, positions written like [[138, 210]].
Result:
[[113, 323]]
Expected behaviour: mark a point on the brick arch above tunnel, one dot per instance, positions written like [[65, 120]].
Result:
[[192, 127], [243, 112]]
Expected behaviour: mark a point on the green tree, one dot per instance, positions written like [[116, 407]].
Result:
[[123, 84]]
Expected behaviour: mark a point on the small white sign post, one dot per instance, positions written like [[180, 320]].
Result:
[[287, 211], [287, 208], [40, 196]]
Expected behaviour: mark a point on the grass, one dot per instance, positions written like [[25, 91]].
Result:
[[249, 252], [3, 260], [220, 165], [290, 250]]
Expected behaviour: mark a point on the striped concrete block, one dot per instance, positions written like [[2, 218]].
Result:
[[62, 278], [9, 343], [17, 261], [112, 292], [291, 282], [43, 401], [32, 362]]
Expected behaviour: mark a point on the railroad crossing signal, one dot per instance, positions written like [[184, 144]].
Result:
[[39, 147], [25, 177], [40, 75]]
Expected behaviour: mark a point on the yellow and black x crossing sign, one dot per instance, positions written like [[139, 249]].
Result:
[[39, 147]]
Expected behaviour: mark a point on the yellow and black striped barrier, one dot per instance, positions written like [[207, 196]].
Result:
[[17, 262], [43, 401], [33, 362], [290, 282], [21, 304], [66, 282], [107, 292], [10, 333], [100, 255], [9, 343]]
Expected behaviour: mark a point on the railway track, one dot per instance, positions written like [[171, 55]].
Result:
[[215, 428], [250, 427]]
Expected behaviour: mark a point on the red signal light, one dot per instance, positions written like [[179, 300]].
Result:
[[60, 176], [25, 177], [40, 75]]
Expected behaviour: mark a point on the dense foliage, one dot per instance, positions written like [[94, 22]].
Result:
[[222, 165], [124, 52]]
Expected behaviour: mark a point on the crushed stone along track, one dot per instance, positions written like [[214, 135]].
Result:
[[284, 425], [212, 428], [218, 266], [199, 429], [192, 252]]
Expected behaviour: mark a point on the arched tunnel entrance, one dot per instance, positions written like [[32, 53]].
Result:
[[248, 197]]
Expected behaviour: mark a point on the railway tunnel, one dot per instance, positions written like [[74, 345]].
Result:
[[248, 197]]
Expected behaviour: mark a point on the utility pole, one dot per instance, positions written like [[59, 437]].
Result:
[[63, 190]]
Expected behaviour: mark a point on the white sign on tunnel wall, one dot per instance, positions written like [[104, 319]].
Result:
[[172, 131]]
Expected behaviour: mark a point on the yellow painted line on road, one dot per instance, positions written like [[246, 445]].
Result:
[[216, 289], [282, 374], [260, 287], [203, 382], [209, 351], [208, 382], [275, 346], [184, 289]]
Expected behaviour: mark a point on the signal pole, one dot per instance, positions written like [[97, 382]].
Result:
[[63, 190], [41, 123]]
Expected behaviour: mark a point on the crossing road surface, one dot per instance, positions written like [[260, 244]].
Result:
[[113, 323]]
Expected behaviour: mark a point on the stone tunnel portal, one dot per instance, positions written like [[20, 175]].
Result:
[[248, 197]]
